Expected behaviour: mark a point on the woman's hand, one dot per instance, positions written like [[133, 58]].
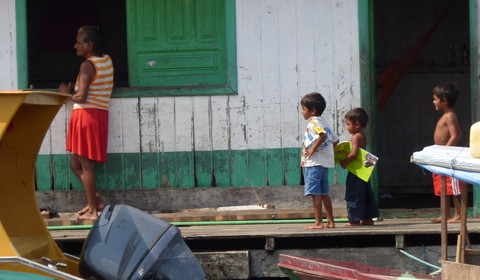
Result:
[[63, 88]]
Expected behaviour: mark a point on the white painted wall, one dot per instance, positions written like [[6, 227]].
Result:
[[285, 49], [8, 54]]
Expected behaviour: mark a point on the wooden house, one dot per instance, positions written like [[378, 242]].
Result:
[[207, 92]]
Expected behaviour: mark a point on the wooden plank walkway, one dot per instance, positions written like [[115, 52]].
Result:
[[296, 230]]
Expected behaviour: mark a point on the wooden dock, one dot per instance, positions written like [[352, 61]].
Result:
[[294, 229], [236, 249]]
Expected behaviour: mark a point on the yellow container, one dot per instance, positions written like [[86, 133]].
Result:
[[475, 140]]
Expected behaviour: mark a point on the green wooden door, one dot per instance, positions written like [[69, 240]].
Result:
[[176, 43]]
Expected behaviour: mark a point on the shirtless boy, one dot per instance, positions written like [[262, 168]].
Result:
[[448, 133]]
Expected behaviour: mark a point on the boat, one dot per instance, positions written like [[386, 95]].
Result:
[[306, 268], [124, 243]]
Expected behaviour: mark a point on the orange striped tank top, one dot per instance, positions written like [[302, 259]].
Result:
[[101, 88]]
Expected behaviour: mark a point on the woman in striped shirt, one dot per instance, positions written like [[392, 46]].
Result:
[[88, 127]]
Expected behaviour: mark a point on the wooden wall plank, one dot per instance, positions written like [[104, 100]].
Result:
[[149, 145], [272, 102], [61, 172], [202, 127], [114, 175], [221, 141], [343, 93], [43, 170], [238, 126], [292, 121], [293, 172], [166, 139], [131, 143], [275, 167], [184, 142], [252, 90], [61, 167]]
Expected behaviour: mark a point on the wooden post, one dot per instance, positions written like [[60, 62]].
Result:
[[444, 234], [463, 223]]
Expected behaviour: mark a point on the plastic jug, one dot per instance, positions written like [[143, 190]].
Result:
[[475, 140]]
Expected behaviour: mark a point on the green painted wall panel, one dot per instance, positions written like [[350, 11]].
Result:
[[221, 168], [341, 175], [132, 171], [75, 182], [168, 170], [239, 168], [204, 169], [184, 170], [150, 168], [114, 172], [239, 164], [44, 173], [275, 167], [61, 172], [100, 175], [293, 172], [257, 174]]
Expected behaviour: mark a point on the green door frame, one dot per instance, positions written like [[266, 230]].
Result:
[[368, 85], [475, 113], [368, 100], [22, 49]]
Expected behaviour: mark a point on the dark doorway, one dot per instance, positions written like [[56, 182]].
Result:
[[407, 121], [51, 31]]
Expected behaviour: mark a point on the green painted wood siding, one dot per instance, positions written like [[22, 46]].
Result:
[[176, 43], [238, 168]]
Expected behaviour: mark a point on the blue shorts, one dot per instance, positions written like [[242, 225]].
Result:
[[316, 180]]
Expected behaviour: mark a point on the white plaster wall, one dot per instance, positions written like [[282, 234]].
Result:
[[8, 61], [285, 49]]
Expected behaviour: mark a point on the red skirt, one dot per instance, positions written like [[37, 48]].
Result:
[[88, 133]]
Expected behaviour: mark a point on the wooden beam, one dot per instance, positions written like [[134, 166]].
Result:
[[444, 233]]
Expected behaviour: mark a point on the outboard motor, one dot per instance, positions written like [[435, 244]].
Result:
[[127, 243]]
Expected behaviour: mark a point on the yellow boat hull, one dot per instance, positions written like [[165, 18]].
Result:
[[25, 117]]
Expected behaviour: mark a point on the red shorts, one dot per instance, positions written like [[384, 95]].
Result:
[[452, 184], [88, 133]]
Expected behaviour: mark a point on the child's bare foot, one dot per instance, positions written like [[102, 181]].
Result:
[[330, 225], [367, 222], [315, 226], [453, 220], [353, 224]]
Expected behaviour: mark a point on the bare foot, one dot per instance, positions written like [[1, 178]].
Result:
[[353, 224], [437, 220], [88, 216], [100, 207], [83, 211], [453, 220], [330, 225], [367, 222], [315, 226]]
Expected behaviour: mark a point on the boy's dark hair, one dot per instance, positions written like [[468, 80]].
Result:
[[92, 34], [447, 91], [315, 101], [357, 115]]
